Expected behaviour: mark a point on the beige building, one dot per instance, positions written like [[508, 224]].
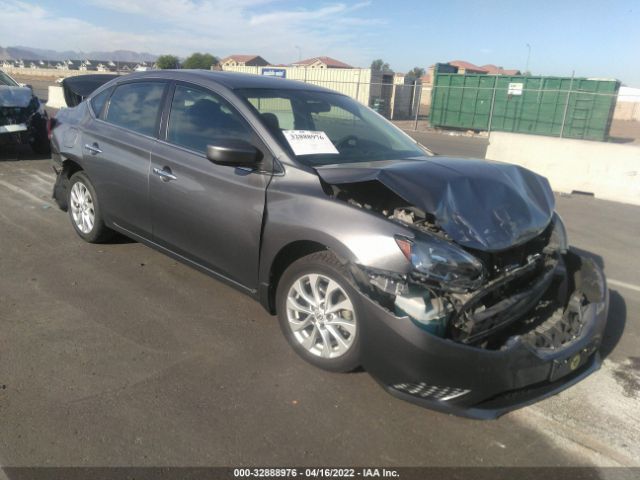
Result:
[[243, 61]]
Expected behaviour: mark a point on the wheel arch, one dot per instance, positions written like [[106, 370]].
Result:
[[60, 189], [288, 254]]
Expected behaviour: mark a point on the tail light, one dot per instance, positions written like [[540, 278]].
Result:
[[52, 123]]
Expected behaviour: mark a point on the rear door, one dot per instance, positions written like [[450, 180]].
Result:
[[117, 151], [210, 214]]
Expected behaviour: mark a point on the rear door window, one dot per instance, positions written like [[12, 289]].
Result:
[[97, 102], [136, 106], [200, 117]]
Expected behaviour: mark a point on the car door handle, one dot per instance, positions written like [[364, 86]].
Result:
[[165, 174], [94, 149]]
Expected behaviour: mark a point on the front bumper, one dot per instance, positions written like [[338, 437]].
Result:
[[470, 381]]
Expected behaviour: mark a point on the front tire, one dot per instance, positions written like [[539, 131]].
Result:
[[318, 312], [84, 210]]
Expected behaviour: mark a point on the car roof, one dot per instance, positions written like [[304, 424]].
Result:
[[231, 80]]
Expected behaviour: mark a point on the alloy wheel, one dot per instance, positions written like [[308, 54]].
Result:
[[82, 207], [321, 316]]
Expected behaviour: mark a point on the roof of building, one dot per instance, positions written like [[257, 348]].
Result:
[[466, 65], [495, 70], [241, 58], [489, 68], [328, 61]]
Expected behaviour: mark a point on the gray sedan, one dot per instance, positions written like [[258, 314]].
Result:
[[449, 280]]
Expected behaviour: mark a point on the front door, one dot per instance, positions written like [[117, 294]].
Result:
[[210, 214]]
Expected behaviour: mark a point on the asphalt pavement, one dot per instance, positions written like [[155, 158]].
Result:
[[118, 355], [453, 143]]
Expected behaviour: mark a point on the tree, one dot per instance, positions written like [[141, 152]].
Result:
[[415, 73], [165, 62], [380, 65], [202, 61]]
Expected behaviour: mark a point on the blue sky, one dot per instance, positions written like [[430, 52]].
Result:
[[594, 38]]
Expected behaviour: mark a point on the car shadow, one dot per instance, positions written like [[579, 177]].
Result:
[[617, 316], [12, 152], [120, 239]]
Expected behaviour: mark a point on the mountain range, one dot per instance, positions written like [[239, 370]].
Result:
[[30, 53]]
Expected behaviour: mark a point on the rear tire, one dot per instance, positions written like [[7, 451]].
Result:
[[318, 309], [84, 210]]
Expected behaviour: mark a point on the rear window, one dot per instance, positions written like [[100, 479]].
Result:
[[136, 106]]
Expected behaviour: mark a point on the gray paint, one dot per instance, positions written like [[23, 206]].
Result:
[[229, 222]]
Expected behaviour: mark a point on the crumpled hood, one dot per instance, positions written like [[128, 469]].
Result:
[[480, 204], [15, 96]]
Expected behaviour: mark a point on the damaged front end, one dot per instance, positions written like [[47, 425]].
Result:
[[490, 328], [475, 298]]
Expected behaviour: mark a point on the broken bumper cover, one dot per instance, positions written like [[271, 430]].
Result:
[[448, 376]]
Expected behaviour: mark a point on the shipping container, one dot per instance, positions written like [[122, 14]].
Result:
[[524, 104]]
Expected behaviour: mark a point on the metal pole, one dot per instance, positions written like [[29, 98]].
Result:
[[526, 70], [416, 105], [493, 102], [566, 105], [358, 86]]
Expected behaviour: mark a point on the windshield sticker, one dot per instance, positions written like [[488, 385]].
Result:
[[309, 142]]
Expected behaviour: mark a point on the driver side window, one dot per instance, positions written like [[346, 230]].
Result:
[[199, 117]]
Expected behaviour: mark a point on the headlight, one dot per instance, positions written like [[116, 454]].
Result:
[[558, 241], [443, 263]]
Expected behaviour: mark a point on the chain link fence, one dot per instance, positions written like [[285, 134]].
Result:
[[566, 111]]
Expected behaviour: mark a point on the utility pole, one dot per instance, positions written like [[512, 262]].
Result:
[[566, 105], [526, 70]]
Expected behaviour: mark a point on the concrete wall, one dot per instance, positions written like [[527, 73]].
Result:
[[47, 72], [627, 104], [608, 170], [56, 97]]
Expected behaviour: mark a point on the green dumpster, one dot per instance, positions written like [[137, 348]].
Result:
[[524, 104]]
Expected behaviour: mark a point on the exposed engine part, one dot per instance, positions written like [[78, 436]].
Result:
[[378, 198], [502, 301], [517, 278], [389, 285], [561, 328], [530, 303], [404, 215], [428, 310]]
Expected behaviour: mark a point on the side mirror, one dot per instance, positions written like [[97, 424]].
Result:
[[235, 153]]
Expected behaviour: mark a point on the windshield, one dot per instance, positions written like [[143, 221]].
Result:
[[7, 80], [323, 128]]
